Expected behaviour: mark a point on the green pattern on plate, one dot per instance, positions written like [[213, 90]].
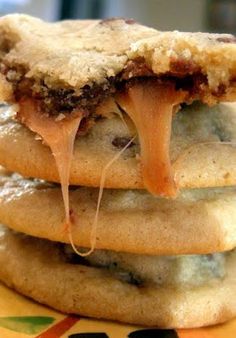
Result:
[[26, 324]]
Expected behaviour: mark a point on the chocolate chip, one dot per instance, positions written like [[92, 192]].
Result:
[[126, 20], [231, 39], [120, 142], [130, 21]]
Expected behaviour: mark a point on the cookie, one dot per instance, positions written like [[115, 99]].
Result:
[[40, 270], [202, 151], [198, 221], [75, 54]]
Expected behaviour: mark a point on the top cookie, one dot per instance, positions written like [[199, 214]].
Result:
[[90, 55]]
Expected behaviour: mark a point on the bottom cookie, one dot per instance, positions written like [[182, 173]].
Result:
[[168, 292]]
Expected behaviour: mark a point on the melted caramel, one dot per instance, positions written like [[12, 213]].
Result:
[[150, 105], [59, 135]]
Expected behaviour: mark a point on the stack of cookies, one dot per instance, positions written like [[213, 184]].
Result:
[[117, 193]]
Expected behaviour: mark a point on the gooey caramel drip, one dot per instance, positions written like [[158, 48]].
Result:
[[59, 136], [151, 105]]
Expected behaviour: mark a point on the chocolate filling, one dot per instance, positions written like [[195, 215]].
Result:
[[186, 76], [53, 102]]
